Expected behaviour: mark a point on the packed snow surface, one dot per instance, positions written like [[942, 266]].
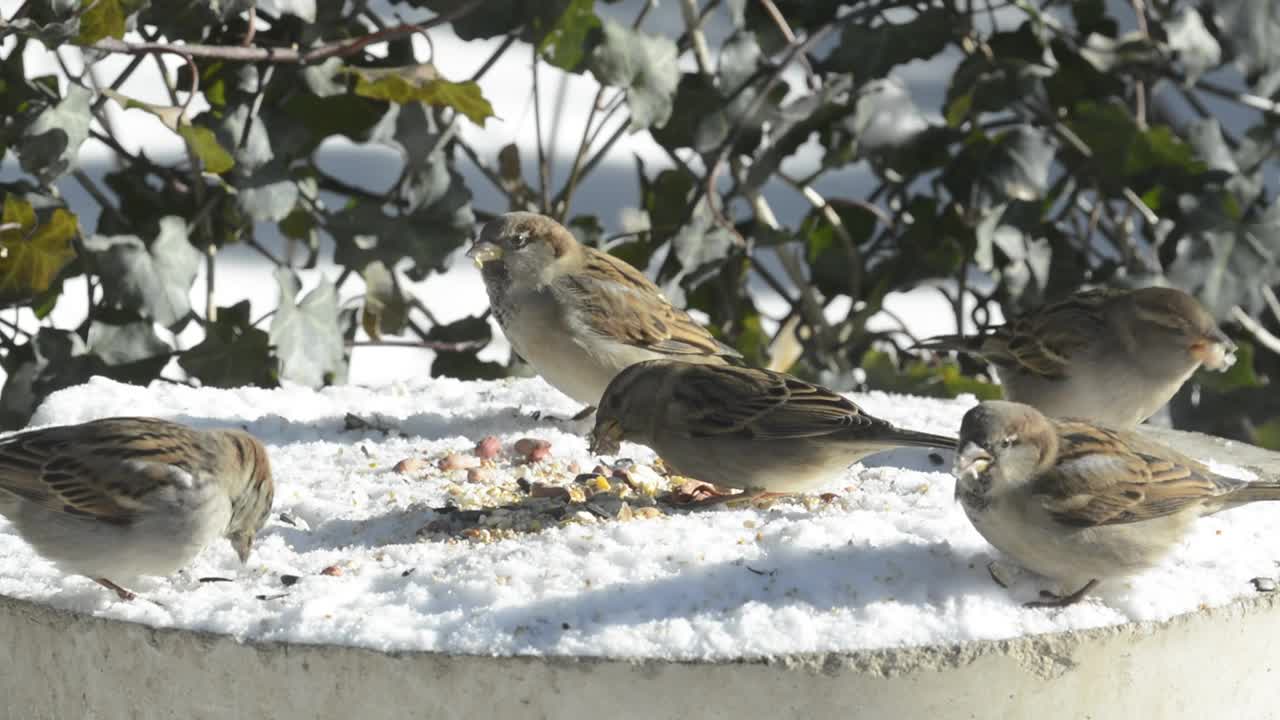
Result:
[[358, 553]]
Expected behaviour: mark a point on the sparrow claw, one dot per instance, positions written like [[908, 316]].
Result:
[[1050, 600], [991, 570]]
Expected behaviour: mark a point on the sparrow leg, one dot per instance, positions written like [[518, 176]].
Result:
[[582, 414], [120, 592], [991, 570], [1051, 600], [747, 496]]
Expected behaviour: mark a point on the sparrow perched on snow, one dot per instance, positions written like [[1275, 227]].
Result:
[[578, 315], [1110, 356], [133, 496], [758, 430], [1078, 502]]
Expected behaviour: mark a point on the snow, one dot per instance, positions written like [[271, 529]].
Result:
[[889, 560]]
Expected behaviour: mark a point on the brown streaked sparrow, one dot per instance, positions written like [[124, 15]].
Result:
[[578, 315], [758, 430], [1110, 356], [1078, 502], [129, 496]]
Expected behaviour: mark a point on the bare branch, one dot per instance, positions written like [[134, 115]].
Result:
[[1255, 328]]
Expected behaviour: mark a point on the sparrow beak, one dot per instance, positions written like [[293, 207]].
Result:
[[484, 251], [606, 438], [1215, 350], [971, 463], [243, 544]]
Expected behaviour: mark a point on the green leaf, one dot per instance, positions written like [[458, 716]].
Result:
[[51, 143], [564, 44], [233, 352], [204, 143], [306, 335], [919, 378], [870, 52], [156, 280], [1267, 434], [201, 140], [422, 83], [102, 18], [645, 66], [31, 254], [1122, 151]]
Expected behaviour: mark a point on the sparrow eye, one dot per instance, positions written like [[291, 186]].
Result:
[[1009, 441], [520, 240]]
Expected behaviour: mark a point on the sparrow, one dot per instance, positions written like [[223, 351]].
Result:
[[757, 430], [1110, 356], [1079, 502], [131, 496], [577, 315]]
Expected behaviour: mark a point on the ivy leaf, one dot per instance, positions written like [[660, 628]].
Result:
[[306, 335], [565, 43], [919, 378], [49, 147], [471, 334], [304, 10], [132, 352], [155, 280], [32, 254], [233, 352], [200, 139], [1122, 151], [54, 359], [422, 83], [870, 52], [385, 308], [1195, 47], [1253, 26], [105, 18], [645, 66]]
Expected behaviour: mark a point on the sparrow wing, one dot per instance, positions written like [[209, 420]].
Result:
[[621, 303], [99, 470]]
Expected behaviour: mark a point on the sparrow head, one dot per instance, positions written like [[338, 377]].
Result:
[[1002, 443], [527, 247], [629, 406], [1170, 323], [250, 487]]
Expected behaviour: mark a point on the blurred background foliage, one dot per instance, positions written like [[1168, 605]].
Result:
[[1078, 144]]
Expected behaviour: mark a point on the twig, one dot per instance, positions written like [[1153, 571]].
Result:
[[252, 242], [565, 197], [1260, 333], [1247, 99], [544, 166], [436, 345], [253, 25], [1272, 302], [833, 218], [709, 187], [98, 196], [697, 38], [237, 53], [785, 28], [1139, 85]]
